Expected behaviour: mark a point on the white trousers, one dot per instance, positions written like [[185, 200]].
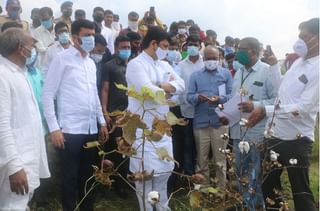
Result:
[[159, 184]]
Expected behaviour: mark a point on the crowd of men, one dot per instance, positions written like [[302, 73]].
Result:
[[57, 81]]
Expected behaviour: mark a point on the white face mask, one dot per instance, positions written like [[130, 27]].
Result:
[[96, 57], [161, 54], [300, 48], [211, 64], [133, 25], [116, 26]]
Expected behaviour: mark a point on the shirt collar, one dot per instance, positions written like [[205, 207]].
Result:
[[10, 65], [148, 58], [76, 52], [312, 60], [119, 61]]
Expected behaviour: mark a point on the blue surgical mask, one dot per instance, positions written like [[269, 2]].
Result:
[[32, 59], [47, 24], [173, 56], [14, 14], [193, 50], [124, 54], [87, 43], [64, 38]]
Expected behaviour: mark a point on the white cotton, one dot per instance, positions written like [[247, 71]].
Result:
[[153, 197], [293, 161], [273, 156], [244, 147]]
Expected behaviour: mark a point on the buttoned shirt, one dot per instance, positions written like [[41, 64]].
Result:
[[22, 143], [5, 18], [297, 102], [71, 79], [207, 83], [45, 38], [145, 71], [109, 36], [51, 52], [186, 68], [258, 85]]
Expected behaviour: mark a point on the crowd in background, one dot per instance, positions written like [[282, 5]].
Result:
[[62, 84]]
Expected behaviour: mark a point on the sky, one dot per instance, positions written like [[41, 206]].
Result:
[[273, 22]]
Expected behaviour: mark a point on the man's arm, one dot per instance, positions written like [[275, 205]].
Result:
[[192, 95]]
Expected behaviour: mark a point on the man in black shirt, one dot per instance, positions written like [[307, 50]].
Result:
[[113, 99]]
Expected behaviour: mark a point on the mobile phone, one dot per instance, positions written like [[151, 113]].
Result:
[[152, 9], [269, 50]]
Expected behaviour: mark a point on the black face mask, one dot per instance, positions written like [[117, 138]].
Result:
[[98, 19]]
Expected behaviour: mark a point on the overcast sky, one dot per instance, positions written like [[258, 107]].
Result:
[[273, 22]]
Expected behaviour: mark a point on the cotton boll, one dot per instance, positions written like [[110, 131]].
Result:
[[153, 197]]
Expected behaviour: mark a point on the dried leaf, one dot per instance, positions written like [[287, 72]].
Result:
[[140, 176], [161, 126], [130, 128], [125, 148], [116, 113], [195, 199], [164, 155], [198, 178], [173, 120], [147, 93], [153, 135], [91, 144]]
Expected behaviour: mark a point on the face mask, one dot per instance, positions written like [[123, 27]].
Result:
[[96, 57], [300, 48], [133, 25], [64, 38], [243, 57], [67, 13], [161, 54], [87, 43], [116, 26], [124, 54], [211, 64], [182, 31], [98, 19], [47, 24], [32, 59], [173, 56], [14, 14], [193, 50]]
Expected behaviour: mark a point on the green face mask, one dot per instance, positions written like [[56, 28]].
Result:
[[243, 57]]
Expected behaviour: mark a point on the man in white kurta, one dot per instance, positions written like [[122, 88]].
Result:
[[147, 70], [23, 158]]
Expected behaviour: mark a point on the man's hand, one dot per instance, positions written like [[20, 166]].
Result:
[[271, 60], [246, 106], [19, 182], [214, 100], [104, 134], [202, 98], [256, 116], [224, 120], [57, 139]]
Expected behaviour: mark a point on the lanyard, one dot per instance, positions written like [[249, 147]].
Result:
[[245, 78]]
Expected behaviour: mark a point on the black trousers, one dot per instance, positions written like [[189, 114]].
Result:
[[117, 159], [76, 168], [301, 150]]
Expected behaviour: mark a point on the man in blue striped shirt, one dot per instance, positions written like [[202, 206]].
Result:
[[208, 88]]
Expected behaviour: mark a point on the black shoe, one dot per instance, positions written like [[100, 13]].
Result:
[[122, 193]]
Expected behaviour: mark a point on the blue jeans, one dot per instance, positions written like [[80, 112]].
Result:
[[249, 165], [189, 149]]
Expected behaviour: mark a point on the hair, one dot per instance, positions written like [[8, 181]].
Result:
[[194, 27], [11, 2], [134, 36], [173, 27], [193, 38], [181, 23], [253, 44], [229, 40], [60, 25], [121, 38], [66, 4], [77, 25], [108, 12], [11, 24], [190, 21], [35, 10], [116, 16], [211, 33], [11, 39], [172, 41], [45, 10], [80, 13], [133, 14], [97, 9], [311, 26], [99, 39], [154, 33]]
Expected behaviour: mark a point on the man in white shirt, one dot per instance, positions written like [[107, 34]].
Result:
[[62, 42], [71, 79], [147, 70], [192, 63], [294, 117], [107, 31], [23, 159], [44, 34]]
